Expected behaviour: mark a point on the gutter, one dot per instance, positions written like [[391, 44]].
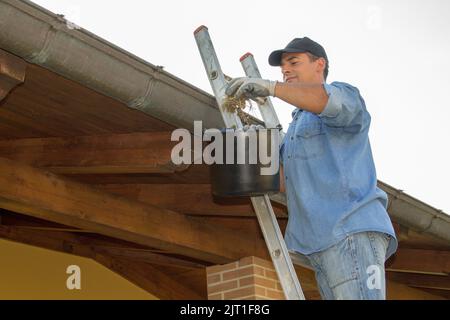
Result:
[[46, 39], [417, 215]]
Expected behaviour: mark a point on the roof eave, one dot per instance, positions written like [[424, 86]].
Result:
[[43, 38]]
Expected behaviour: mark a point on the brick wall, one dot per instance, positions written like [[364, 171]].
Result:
[[250, 278]]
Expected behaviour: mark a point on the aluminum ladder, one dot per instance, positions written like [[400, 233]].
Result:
[[281, 258]]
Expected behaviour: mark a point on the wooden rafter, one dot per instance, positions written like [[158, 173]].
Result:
[[149, 278], [187, 199], [44, 195], [105, 154], [12, 72], [141, 273], [420, 261], [58, 241], [147, 256], [69, 242], [26, 222], [399, 291], [420, 280]]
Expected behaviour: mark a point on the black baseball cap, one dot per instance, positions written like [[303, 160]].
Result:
[[304, 44]]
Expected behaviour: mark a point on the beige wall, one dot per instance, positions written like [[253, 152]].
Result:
[[28, 272]]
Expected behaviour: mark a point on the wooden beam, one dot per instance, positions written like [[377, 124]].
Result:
[[246, 225], [105, 154], [58, 241], [420, 280], [15, 221], [194, 279], [420, 260], [398, 291], [114, 247], [12, 219], [146, 256], [142, 274], [44, 195], [195, 174], [437, 292], [12, 72], [188, 199], [89, 245], [149, 279], [412, 239]]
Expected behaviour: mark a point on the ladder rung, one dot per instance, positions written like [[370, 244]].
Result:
[[300, 260]]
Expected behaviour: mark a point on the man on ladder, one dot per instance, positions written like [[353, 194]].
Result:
[[337, 214]]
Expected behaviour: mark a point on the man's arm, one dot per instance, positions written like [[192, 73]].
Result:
[[338, 104], [309, 97]]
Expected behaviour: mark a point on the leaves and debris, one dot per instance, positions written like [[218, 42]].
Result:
[[238, 105]]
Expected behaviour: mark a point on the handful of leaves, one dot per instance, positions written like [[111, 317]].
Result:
[[238, 105]]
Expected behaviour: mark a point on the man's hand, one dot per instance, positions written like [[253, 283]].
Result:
[[250, 88]]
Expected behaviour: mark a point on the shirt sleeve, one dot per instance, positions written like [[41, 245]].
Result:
[[345, 106], [281, 149]]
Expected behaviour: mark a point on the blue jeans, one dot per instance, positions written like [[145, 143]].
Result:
[[353, 269]]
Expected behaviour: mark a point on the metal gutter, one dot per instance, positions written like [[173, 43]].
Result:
[[417, 215], [46, 39]]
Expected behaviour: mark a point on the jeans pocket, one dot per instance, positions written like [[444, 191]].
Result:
[[338, 263]]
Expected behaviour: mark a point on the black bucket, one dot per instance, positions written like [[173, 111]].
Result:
[[245, 179]]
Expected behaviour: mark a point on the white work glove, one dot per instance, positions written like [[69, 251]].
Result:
[[250, 88]]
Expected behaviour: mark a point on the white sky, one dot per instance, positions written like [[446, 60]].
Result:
[[396, 52]]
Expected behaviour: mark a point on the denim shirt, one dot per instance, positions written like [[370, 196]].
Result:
[[331, 182]]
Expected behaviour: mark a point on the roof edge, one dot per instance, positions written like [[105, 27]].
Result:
[[47, 39]]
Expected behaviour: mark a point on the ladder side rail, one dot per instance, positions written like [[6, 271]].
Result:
[[215, 75], [266, 108], [277, 248]]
